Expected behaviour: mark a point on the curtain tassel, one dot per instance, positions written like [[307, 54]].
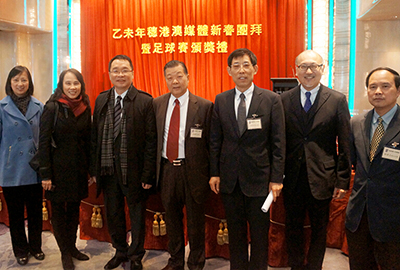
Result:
[[1, 205], [220, 235], [99, 219], [156, 225], [163, 227], [94, 218], [226, 234], [45, 213]]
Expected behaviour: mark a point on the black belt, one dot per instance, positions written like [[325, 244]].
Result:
[[176, 162]]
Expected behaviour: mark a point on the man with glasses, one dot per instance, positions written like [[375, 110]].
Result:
[[124, 146], [247, 155], [317, 161]]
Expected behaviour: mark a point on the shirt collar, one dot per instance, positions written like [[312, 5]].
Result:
[[313, 91], [387, 117], [182, 99], [246, 93], [122, 95]]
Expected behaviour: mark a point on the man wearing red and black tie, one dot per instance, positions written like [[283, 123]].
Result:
[[183, 122]]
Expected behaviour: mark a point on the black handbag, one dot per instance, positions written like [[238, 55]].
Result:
[[34, 163]]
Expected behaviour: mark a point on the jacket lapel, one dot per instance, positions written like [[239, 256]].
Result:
[[230, 109], [191, 113], [365, 128], [322, 97], [161, 115], [255, 102], [392, 130], [32, 110], [297, 108], [13, 110]]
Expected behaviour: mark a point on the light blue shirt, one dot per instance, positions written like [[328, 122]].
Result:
[[248, 94], [386, 118], [313, 92]]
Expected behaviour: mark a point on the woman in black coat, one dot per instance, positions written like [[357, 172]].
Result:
[[64, 166]]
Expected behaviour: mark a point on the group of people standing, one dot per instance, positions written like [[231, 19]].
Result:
[[250, 142]]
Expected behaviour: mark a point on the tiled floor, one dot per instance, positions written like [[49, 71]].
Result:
[[101, 252]]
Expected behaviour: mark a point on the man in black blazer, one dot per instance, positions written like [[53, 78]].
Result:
[[183, 167], [247, 155], [373, 212], [124, 146], [317, 158]]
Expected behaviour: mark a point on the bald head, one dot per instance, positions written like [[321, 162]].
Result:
[[309, 54]]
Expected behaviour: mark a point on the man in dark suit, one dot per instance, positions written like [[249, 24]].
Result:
[[124, 146], [183, 125], [317, 158], [372, 216], [247, 155]]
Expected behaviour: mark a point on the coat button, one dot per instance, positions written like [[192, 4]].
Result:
[[19, 138], [305, 138], [31, 122], [16, 124], [30, 137], [21, 153]]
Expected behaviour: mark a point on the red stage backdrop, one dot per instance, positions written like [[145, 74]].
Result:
[[200, 33]]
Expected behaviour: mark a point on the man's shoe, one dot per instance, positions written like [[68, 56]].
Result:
[[23, 260], [75, 253], [118, 258], [67, 262], [39, 256], [136, 265]]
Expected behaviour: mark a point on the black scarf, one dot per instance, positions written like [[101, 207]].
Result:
[[21, 102]]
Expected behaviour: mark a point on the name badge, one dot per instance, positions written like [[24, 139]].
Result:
[[390, 153], [196, 133], [254, 123]]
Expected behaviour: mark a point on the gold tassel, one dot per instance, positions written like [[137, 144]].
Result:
[[220, 235], [156, 226], [163, 227], [99, 220], [44, 211], [1, 206], [93, 219], [226, 235]]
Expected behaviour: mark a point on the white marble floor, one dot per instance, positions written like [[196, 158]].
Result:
[[101, 252]]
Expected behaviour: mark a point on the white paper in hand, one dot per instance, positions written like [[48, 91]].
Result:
[[268, 202]]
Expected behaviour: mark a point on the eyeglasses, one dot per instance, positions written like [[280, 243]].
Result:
[[123, 72], [313, 67], [245, 66]]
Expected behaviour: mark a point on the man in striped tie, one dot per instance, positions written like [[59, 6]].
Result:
[[372, 216], [124, 136]]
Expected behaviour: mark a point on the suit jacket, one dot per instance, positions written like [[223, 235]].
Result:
[[196, 149], [377, 184], [141, 139], [322, 142], [255, 158]]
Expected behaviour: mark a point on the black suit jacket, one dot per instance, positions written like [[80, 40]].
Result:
[[376, 184], [255, 158], [196, 149], [141, 139], [324, 147]]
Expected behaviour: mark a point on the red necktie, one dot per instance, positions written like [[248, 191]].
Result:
[[173, 133]]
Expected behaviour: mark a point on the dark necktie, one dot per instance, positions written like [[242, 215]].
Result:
[[117, 116], [307, 104], [376, 139], [241, 114], [173, 133]]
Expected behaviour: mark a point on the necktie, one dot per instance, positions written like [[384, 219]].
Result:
[[307, 104], [173, 133], [241, 114], [117, 116], [376, 139]]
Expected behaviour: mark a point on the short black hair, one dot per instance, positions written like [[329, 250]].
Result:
[[394, 72], [175, 63], [59, 90], [14, 72], [242, 52], [121, 57]]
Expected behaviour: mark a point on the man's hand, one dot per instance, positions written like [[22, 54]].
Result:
[[146, 186], [214, 184], [276, 189], [338, 193], [46, 184], [92, 180]]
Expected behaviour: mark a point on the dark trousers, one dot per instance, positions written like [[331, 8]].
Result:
[[65, 221], [175, 193], [240, 210], [366, 253], [16, 198], [114, 200], [296, 206]]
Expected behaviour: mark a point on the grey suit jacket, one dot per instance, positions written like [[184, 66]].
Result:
[[376, 185], [196, 149], [322, 142]]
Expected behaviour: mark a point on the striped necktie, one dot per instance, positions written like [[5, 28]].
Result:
[[241, 114], [117, 116], [376, 139]]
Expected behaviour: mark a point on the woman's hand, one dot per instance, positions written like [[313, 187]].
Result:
[[46, 184]]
